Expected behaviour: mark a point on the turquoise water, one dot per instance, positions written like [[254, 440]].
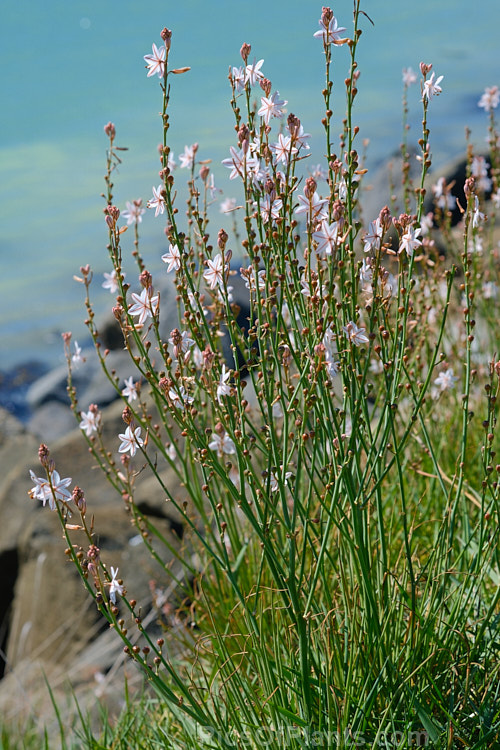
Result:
[[70, 67]]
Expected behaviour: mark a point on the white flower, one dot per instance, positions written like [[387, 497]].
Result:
[[283, 149], [490, 99], [477, 217], [223, 387], [410, 241], [446, 380], [274, 484], [171, 163], [479, 169], [180, 342], [156, 61], [432, 87], [77, 358], [318, 172], [227, 205], [240, 164], [214, 275], [331, 33], [326, 237], [311, 286], [373, 236], [238, 76], [355, 335], [212, 187], [315, 208], [172, 258], [251, 282], [269, 209], [253, 72], [110, 281], [426, 223], [130, 390], [443, 196], [409, 76], [271, 107], [158, 200], [145, 305], [114, 587], [332, 364], [180, 398], [44, 491], [133, 212], [187, 158], [90, 421], [299, 138], [366, 274], [131, 440], [222, 444]]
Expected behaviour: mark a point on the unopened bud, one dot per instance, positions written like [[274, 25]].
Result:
[[222, 239], [118, 312], [127, 415], [245, 51], [79, 500], [469, 186], [43, 454], [266, 86], [110, 131], [326, 15], [166, 35], [145, 279], [310, 187]]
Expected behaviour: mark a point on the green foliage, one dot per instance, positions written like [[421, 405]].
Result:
[[342, 485]]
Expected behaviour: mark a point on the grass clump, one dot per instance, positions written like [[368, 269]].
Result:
[[334, 430]]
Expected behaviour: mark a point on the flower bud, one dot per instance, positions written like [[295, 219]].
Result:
[[310, 187], [266, 86], [469, 186], [43, 455], [110, 131], [79, 500], [243, 134], [222, 239], [326, 15], [245, 51], [166, 35], [145, 279], [127, 415]]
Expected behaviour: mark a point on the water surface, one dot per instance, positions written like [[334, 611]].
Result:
[[70, 67]]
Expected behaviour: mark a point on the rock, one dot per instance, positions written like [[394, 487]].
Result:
[[51, 421], [14, 385], [47, 589]]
